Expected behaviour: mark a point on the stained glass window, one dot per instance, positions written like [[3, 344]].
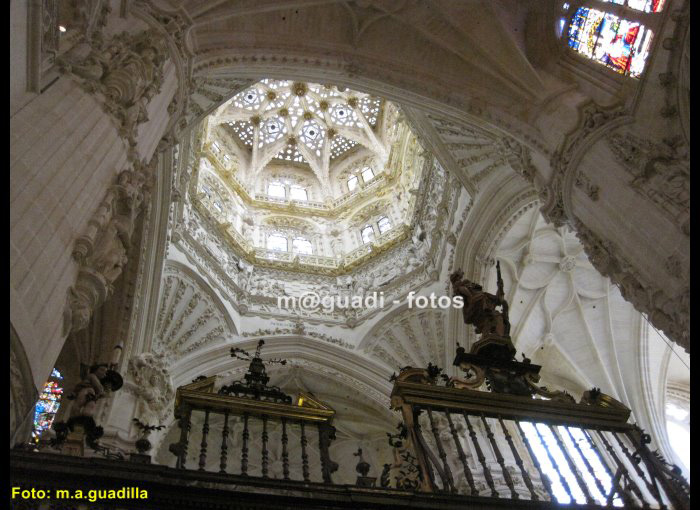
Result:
[[618, 43], [47, 405], [367, 234], [384, 224]]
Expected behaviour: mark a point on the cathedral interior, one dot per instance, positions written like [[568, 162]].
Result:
[[350, 253]]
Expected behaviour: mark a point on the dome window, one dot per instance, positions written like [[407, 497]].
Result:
[[277, 190], [302, 246], [367, 174], [298, 193], [367, 234], [383, 224], [277, 242]]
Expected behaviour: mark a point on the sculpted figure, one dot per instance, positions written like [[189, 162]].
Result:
[[88, 391], [419, 249], [110, 253], [480, 307], [336, 244]]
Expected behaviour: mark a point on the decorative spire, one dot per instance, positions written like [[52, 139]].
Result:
[[256, 379]]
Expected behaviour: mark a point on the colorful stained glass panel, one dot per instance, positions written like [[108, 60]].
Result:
[[620, 44], [47, 405]]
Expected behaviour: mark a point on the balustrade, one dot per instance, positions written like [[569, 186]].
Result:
[[265, 420], [491, 434], [510, 445]]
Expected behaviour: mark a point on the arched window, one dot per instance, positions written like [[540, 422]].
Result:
[[215, 147], [367, 234], [383, 224], [277, 242], [352, 182], [367, 174], [47, 405], [617, 40], [301, 245], [277, 190], [298, 193]]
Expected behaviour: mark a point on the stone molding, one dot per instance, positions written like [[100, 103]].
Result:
[[190, 314], [594, 122], [175, 26], [669, 315]]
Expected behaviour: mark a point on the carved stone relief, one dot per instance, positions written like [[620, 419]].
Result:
[[152, 385], [126, 71], [188, 317], [659, 171], [101, 251]]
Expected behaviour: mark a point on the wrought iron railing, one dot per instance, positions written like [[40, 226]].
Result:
[[507, 444], [490, 436], [266, 420]]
